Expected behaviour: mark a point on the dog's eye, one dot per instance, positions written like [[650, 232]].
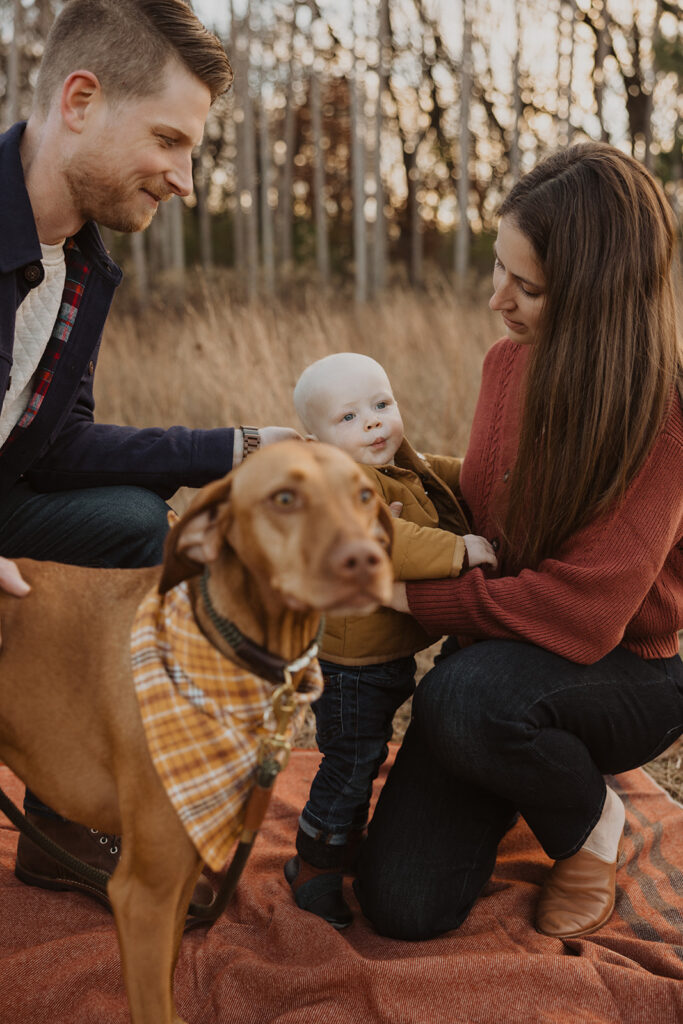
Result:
[[284, 498], [366, 495]]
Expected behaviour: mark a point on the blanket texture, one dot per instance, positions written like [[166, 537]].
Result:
[[266, 961]]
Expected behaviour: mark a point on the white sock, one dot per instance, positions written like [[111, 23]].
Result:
[[604, 839]]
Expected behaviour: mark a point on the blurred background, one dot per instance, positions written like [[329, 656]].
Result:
[[368, 143]]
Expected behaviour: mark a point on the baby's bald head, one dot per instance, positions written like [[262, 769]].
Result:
[[330, 379], [346, 399]]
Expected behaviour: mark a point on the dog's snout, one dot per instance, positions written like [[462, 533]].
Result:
[[356, 559]]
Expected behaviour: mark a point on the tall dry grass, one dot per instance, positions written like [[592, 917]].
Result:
[[217, 363]]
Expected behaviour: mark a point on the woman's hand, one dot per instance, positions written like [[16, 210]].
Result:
[[11, 579]]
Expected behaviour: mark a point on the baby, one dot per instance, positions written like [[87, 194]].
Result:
[[346, 400]]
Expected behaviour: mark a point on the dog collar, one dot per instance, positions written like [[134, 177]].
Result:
[[261, 661]]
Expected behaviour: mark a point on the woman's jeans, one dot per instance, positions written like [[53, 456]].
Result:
[[498, 728], [353, 726], [107, 527]]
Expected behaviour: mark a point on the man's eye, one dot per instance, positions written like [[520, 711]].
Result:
[[366, 495], [284, 498]]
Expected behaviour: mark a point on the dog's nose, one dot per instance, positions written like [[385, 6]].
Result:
[[356, 559]]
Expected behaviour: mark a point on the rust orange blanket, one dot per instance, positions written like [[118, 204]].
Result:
[[267, 962]]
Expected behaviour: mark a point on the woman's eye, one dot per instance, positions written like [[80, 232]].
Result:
[[366, 495], [284, 498]]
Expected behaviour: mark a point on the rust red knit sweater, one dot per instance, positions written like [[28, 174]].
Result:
[[618, 580]]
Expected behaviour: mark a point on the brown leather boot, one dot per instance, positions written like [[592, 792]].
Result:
[[577, 897], [36, 867]]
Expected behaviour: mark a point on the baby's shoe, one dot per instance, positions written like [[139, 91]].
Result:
[[319, 890]]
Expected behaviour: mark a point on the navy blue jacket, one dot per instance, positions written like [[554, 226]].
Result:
[[63, 448]]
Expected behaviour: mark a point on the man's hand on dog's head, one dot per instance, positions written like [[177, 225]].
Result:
[[267, 435]]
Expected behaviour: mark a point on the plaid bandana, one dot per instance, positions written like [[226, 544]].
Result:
[[77, 271], [203, 717]]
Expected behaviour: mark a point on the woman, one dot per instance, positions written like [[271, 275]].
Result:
[[575, 473]]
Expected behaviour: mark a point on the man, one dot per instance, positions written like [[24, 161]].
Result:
[[122, 96]]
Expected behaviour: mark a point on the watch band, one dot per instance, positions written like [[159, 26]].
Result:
[[251, 440]]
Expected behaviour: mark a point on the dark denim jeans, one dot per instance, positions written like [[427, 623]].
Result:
[[106, 527], [499, 728], [353, 718]]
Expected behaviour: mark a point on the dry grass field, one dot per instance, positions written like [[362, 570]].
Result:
[[216, 362]]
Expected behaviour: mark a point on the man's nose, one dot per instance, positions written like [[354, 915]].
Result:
[[179, 177]]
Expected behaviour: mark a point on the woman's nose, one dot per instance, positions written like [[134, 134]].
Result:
[[502, 298]]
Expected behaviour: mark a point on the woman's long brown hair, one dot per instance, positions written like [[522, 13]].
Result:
[[601, 372]]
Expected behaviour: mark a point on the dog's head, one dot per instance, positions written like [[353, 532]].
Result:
[[303, 521]]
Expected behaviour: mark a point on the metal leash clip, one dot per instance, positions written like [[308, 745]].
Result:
[[277, 746]]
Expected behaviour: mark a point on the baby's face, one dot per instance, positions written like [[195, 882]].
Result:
[[358, 413]]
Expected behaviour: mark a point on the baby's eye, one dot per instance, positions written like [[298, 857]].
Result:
[[382, 405], [347, 419], [366, 495]]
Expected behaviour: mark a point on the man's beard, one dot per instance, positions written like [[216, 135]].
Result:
[[108, 200]]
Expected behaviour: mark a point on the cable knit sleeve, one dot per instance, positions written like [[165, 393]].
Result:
[[618, 580]]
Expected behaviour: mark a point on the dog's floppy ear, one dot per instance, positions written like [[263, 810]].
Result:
[[384, 527], [198, 536]]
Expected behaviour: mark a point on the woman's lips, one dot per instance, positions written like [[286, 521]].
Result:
[[512, 324]]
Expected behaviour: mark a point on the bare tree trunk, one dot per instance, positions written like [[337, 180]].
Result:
[[462, 254], [175, 209], [12, 95], [250, 194], [416, 236], [379, 262], [652, 76], [358, 184], [285, 205], [203, 215], [321, 240], [515, 162], [601, 51], [267, 241], [137, 248]]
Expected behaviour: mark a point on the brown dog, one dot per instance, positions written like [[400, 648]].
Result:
[[293, 532]]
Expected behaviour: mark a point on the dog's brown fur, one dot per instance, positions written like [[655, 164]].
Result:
[[291, 533]]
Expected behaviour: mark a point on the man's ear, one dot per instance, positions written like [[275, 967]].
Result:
[[198, 536], [384, 527], [79, 91]]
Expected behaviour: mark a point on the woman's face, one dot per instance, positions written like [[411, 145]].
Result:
[[518, 283]]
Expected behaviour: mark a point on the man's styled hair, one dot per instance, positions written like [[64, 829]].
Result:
[[127, 44]]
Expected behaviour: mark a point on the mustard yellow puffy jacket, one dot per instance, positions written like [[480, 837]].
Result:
[[427, 544]]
